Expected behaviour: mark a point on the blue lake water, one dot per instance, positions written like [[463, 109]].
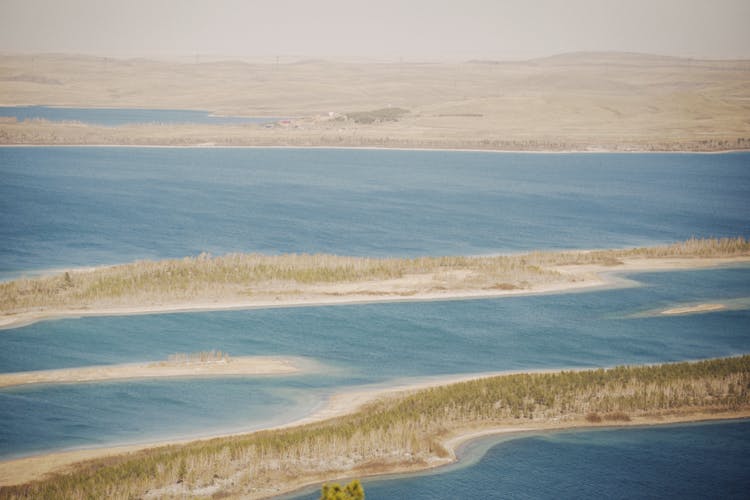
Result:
[[84, 206], [357, 344], [113, 117], [62, 207], [693, 461]]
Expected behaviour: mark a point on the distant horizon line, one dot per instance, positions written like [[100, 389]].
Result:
[[210, 57]]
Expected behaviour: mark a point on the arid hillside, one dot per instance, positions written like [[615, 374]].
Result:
[[583, 101]]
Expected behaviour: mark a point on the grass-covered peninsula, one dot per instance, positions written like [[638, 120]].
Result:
[[251, 280], [408, 432]]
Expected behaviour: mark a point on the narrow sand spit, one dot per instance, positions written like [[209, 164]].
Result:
[[697, 309], [576, 278], [335, 294], [249, 365]]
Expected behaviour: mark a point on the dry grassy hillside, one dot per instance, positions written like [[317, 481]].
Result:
[[576, 101]]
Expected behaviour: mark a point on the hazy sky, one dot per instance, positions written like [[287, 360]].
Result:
[[385, 29]]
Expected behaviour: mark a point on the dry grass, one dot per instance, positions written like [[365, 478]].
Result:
[[238, 276], [402, 432], [578, 102], [183, 358], [692, 248]]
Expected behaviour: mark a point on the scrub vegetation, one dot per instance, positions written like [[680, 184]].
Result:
[[239, 277], [407, 432], [377, 115], [202, 357], [352, 491]]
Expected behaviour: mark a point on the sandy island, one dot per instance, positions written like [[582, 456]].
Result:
[[412, 288], [334, 295], [244, 365]]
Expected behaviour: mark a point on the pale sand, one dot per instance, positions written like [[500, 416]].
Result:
[[700, 308], [349, 401], [334, 295], [588, 277], [243, 365]]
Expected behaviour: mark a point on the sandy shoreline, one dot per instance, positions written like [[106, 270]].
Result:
[[454, 443], [21, 470], [592, 277], [25, 319], [243, 365]]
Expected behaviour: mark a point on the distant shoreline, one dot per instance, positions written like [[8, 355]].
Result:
[[387, 148], [550, 104]]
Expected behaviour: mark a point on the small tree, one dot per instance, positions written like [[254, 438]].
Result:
[[352, 491]]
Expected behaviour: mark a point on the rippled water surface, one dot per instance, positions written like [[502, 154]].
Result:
[[84, 206], [63, 207]]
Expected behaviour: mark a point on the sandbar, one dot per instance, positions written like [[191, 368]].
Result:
[[243, 365], [697, 309], [584, 277], [335, 295]]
